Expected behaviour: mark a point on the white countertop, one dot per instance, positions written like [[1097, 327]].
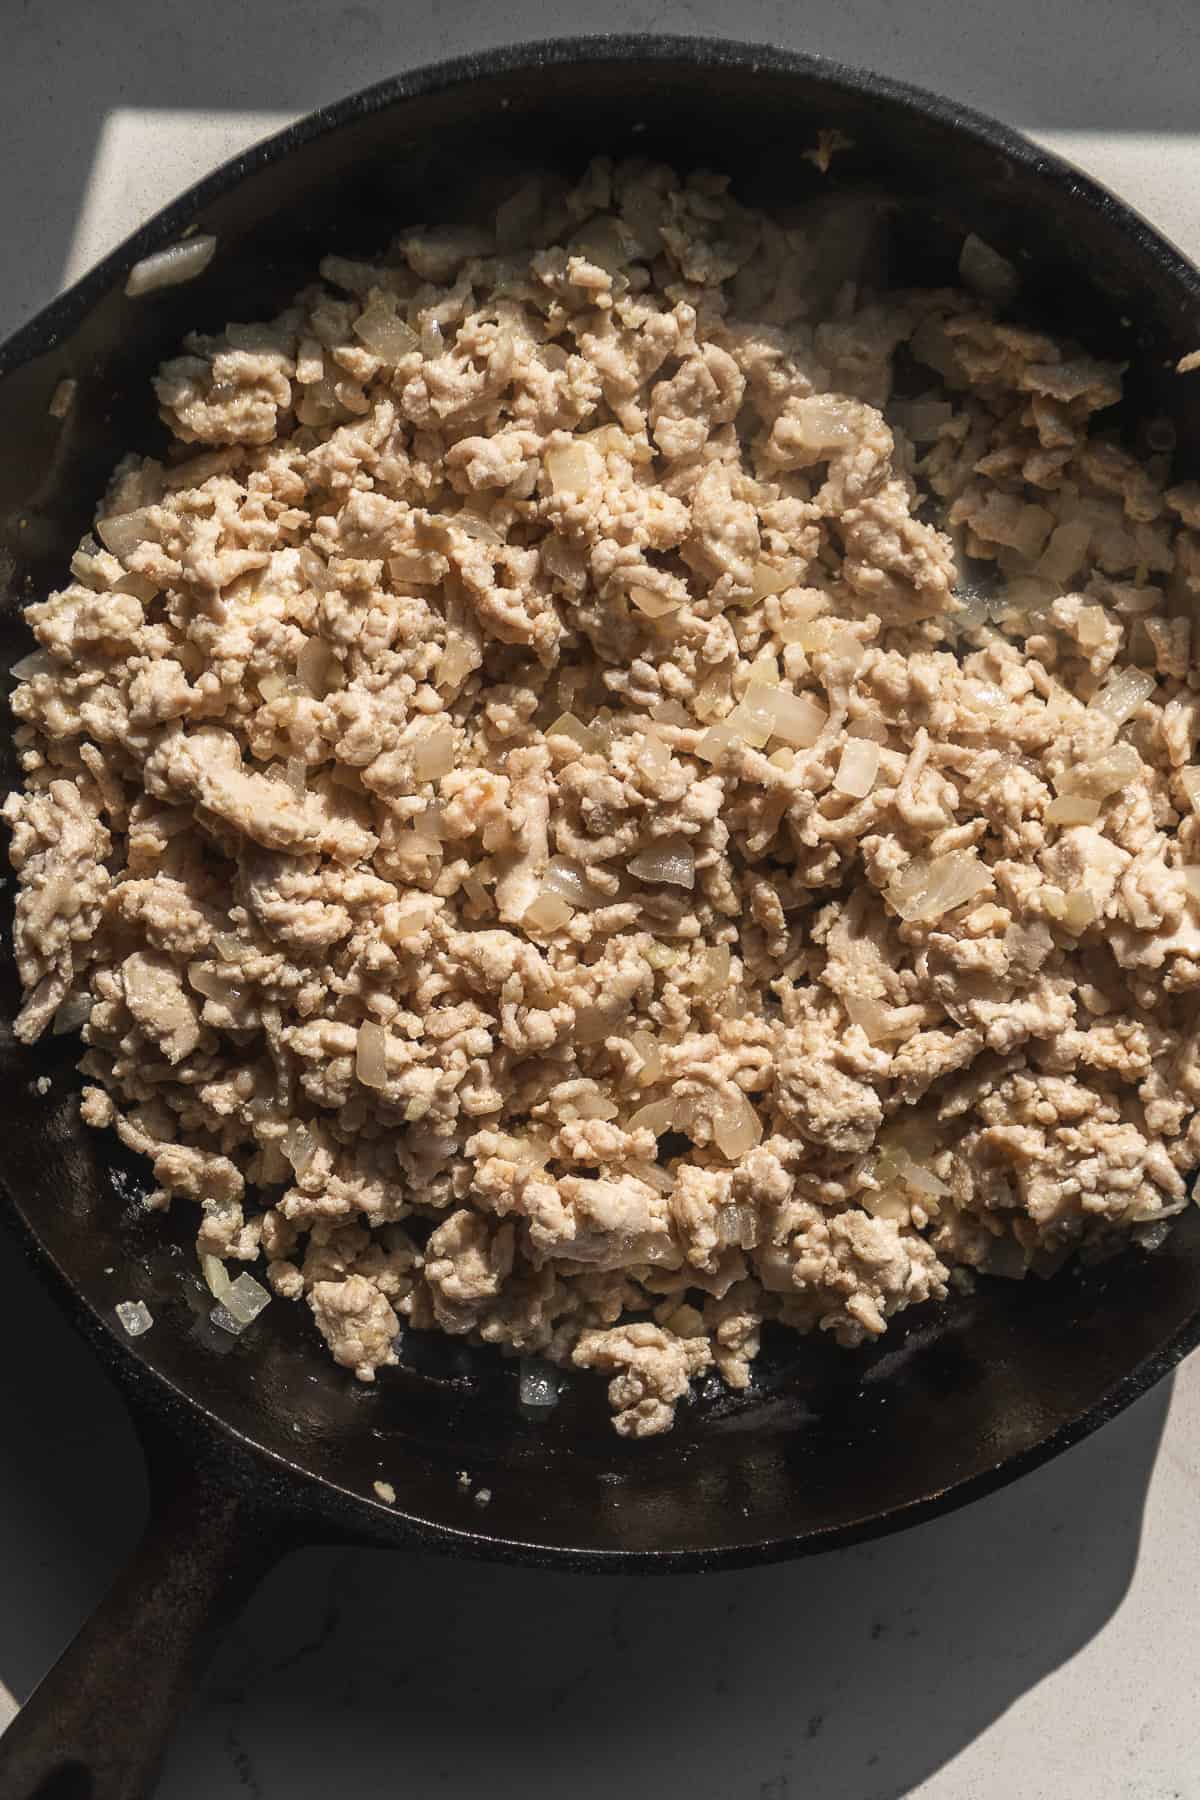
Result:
[[850, 1677]]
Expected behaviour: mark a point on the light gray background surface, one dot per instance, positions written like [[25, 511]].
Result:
[[1041, 1644]]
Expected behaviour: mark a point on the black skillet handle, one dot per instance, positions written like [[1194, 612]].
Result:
[[97, 1725]]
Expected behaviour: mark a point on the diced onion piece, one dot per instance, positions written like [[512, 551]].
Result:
[[752, 719], [737, 1224], [433, 753], [168, 268], [63, 398], [858, 769], [671, 860], [1111, 772], [547, 913], [1191, 878], [872, 729], [299, 1145], [384, 333], [1065, 552], [652, 1174], [272, 685], [1091, 627], [913, 1175], [985, 271], [590, 1105], [768, 579], [652, 1062], [1079, 911], [660, 1116], [472, 526], [75, 1011], [370, 1060], [241, 1305], [711, 694], [216, 1275], [414, 917], [1190, 778], [135, 1317], [537, 1387], [457, 659], [670, 712], [123, 532], [927, 890], [764, 671], [655, 606], [572, 468], [297, 776], [568, 726], [736, 1128], [783, 758], [567, 880], [312, 666], [211, 983], [712, 746], [796, 719], [228, 947], [38, 662], [1072, 809], [1122, 694], [654, 758], [825, 637], [717, 963]]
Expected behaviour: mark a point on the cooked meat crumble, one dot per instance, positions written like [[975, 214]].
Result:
[[538, 758]]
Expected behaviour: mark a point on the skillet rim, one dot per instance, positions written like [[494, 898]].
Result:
[[152, 1392]]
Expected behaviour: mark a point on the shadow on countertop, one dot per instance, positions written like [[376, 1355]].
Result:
[[67, 66], [852, 1676]]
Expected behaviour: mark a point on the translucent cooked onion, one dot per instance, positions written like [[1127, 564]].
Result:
[[168, 268], [135, 1317], [228, 947], [671, 860], [1122, 694], [370, 1060], [1065, 552], [717, 962], [272, 685], [457, 660], [299, 1145], [567, 880], [752, 720], [670, 712], [912, 1173], [736, 1128], [593, 1105], [572, 469], [927, 890], [796, 719], [651, 1055], [737, 1224], [715, 742], [660, 1116], [242, 1304], [858, 768], [568, 726], [216, 1275], [655, 606], [1108, 774], [826, 637], [1091, 627], [312, 666], [768, 578], [415, 916], [433, 753], [652, 1174], [212, 984], [36, 663], [75, 1011], [711, 695], [297, 776], [1072, 809], [547, 913], [867, 1014], [986, 272], [1076, 911], [384, 333], [474, 527], [123, 532], [1190, 781], [537, 1387]]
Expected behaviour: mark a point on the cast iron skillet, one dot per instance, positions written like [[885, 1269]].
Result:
[[258, 1444]]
